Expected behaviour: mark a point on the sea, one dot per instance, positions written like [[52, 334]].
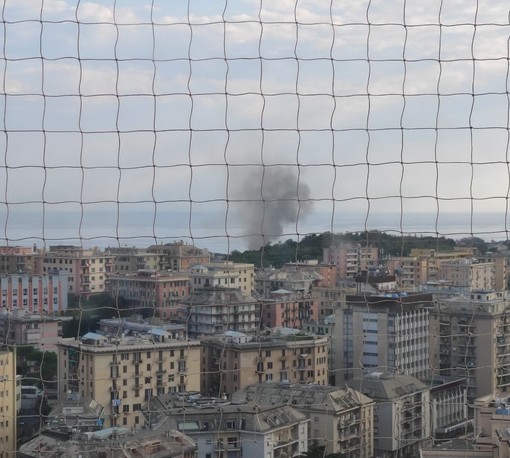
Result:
[[222, 232]]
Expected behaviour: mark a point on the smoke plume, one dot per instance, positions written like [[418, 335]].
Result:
[[270, 201]]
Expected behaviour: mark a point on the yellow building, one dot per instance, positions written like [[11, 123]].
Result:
[[7, 404], [121, 374], [225, 274], [234, 360]]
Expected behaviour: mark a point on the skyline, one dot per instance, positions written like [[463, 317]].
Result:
[[137, 111]]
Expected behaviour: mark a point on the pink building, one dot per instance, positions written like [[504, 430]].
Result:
[[150, 288], [350, 259], [286, 309]]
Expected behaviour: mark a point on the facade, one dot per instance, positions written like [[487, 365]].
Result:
[[41, 332], [86, 269], [468, 273], [383, 333], [331, 298], [132, 259], [235, 360], [350, 259], [161, 291], [500, 269], [341, 419], [328, 272], [121, 374], [286, 309], [469, 338], [136, 324], [401, 413], [39, 294], [224, 274], [216, 310], [221, 430], [8, 404], [448, 407]]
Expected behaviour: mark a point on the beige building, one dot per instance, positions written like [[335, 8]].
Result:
[[85, 269], [8, 404], [16, 259], [469, 338], [235, 360], [131, 259], [341, 419], [468, 273], [122, 374], [225, 274]]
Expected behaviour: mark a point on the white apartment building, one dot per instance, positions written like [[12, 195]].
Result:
[[225, 274]]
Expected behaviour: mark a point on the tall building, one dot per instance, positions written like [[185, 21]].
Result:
[[17, 259], [235, 360], [469, 274], [469, 338], [85, 269], [179, 256], [8, 404], [286, 309], [385, 333], [122, 374]]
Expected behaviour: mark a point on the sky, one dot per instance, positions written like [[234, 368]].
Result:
[[233, 123]]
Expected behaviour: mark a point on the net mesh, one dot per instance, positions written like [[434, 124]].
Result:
[[232, 125]]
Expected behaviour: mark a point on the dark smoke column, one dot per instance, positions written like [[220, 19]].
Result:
[[270, 201]]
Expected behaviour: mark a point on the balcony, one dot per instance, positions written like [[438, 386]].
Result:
[[137, 386], [137, 361], [161, 371]]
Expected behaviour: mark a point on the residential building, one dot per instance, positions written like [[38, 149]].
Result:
[[332, 298], [179, 256], [216, 310], [500, 269], [468, 273], [350, 258], [40, 331], [121, 373], [131, 259], [224, 274], [161, 291], [86, 269], [341, 419], [221, 429], [39, 294], [287, 309], [137, 324], [327, 272], [469, 338], [8, 404], [292, 279], [385, 333], [17, 259], [401, 412], [234, 360]]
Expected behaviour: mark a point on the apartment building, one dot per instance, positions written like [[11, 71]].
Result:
[[341, 419], [131, 259], [328, 272], [291, 279], [286, 309], [234, 360], [224, 274], [137, 324], [350, 258], [385, 333], [86, 269], [17, 259], [401, 412], [223, 430], [500, 269], [469, 274], [8, 404], [41, 332], [216, 310], [161, 291], [469, 338], [122, 374], [331, 298], [38, 294], [179, 256]]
